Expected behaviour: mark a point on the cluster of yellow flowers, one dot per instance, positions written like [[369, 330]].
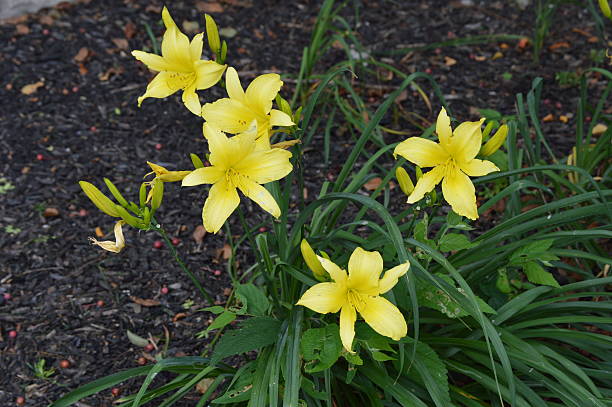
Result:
[[246, 160]]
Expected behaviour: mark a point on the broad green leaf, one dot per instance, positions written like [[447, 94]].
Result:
[[321, 347], [240, 387], [502, 283], [252, 334], [221, 321], [455, 241], [537, 275], [308, 388], [381, 357], [215, 309], [352, 358], [432, 297], [253, 299], [532, 251]]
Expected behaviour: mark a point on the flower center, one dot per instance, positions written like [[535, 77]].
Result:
[[356, 299], [232, 177], [181, 80]]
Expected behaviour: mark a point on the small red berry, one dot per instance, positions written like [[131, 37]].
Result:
[[115, 391], [83, 212], [93, 129], [428, 71], [176, 241], [75, 89], [46, 32], [141, 361], [217, 273], [158, 244], [64, 364], [12, 334], [100, 303], [40, 157], [20, 401], [262, 229], [150, 347], [7, 296], [158, 146], [164, 290]]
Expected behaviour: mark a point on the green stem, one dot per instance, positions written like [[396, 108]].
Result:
[[159, 229]]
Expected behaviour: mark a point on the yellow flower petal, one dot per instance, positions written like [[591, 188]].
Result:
[[384, 317], [364, 270], [152, 61], [466, 141], [335, 272], [228, 115], [459, 192], [191, 100], [324, 298], [477, 168], [195, 47], [348, 316], [422, 152], [220, 154], [221, 202], [278, 118], [233, 86], [391, 276], [312, 261], [266, 165], [204, 175], [262, 91], [109, 245], [208, 74], [443, 129], [260, 195], [426, 183], [160, 87], [175, 45]]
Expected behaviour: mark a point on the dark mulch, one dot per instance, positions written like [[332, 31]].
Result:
[[71, 301]]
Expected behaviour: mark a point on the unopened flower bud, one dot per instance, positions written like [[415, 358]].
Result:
[[404, 180], [495, 142], [312, 261]]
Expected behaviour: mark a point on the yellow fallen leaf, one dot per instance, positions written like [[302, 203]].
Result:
[[32, 87]]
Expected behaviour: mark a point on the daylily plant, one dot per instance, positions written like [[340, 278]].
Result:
[[237, 163], [180, 67], [453, 161], [235, 114], [359, 291]]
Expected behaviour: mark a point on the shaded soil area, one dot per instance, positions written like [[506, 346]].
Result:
[[68, 113]]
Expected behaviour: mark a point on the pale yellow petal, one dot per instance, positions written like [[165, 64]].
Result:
[[221, 202], [260, 195], [109, 245], [312, 261], [204, 175], [160, 87], [422, 152], [208, 74], [384, 317], [173, 176], [364, 269], [152, 61], [426, 183], [191, 100], [443, 128], [459, 192], [195, 47], [262, 91], [219, 146], [278, 118], [335, 272], [348, 316], [265, 166], [233, 86], [228, 115], [477, 168], [175, 50], [324, 298], [390, 278], [466, 141], [167, 19]]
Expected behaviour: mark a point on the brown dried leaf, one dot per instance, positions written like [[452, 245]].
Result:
[[99, 231], [199, 233], [560, 44], [121, 43], [153, 9], [129, 30], [83, 69], [46, 20], [448, 61], [225, 252], [83, 55], [204, 384], [51, 212], [104, 76], [22, 29], [32, 87], [209, 7], [372, 184], [548, 118], [145, 302]]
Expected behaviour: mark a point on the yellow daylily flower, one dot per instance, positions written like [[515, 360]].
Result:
[[237, 163], [235, 114], [162, 175], [453, 161], [109, 245], [180, 67], [359, 291]]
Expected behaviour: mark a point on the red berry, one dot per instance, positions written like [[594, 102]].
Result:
[[164, 290], [428, 71], [45, 31], [149, 347], [83, 212], [100, 304], [141, 361], [75, 89], [217, 272], [93, 129], [158, 244], [176, 241], [40, 157], [262, 229], [64, 364], [20, 401], [115, 391], [158, 146], [7, 296], [12, 334]]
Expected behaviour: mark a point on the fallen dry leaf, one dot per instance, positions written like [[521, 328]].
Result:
[[372, 184], [560, 44], [83, 69], [145, 302], [204, 384], [599, 128], [22, 29], [104, 76], [548, 118], [32, 87], [523, 42], [99, 231], [199, 233], [50, 212], [563, 119], [497, 55], [448, 61], [225, 252], [178, 316], [153, 9], [121, 43], [209, 7], [46, 20], [83, 55], [479, 58], [129, 30]]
